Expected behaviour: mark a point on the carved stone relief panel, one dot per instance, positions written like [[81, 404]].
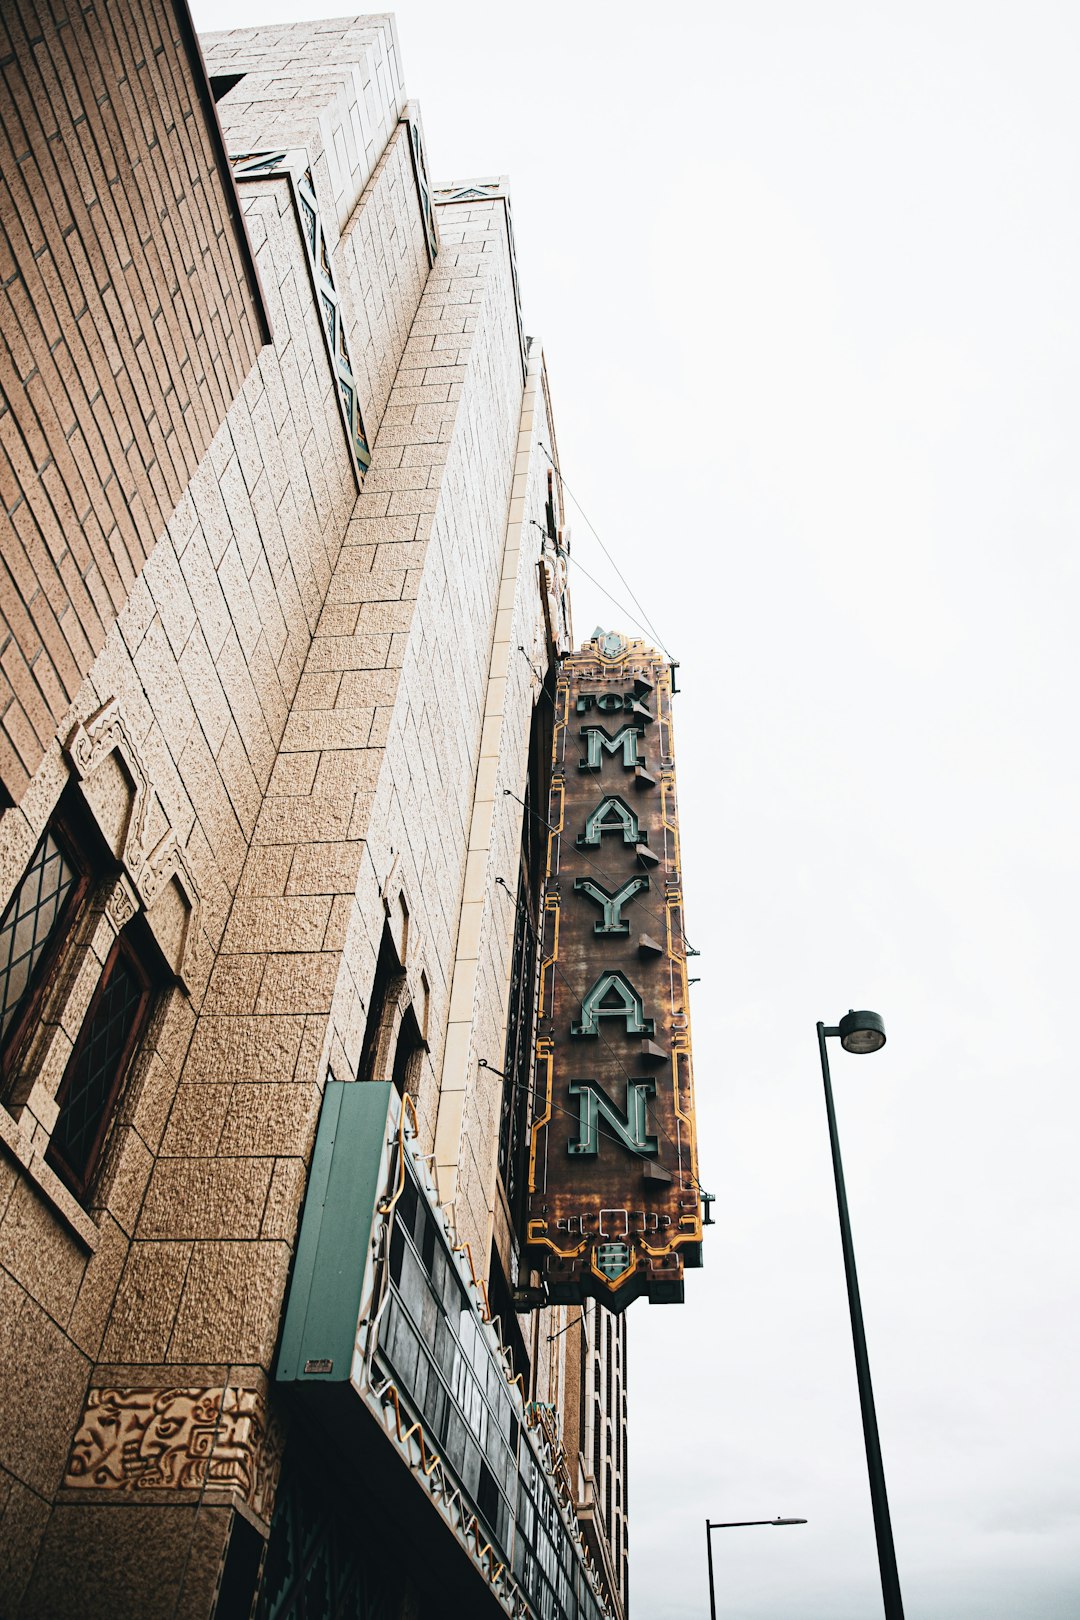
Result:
[[117, 787], [396, 905], [89, 745], [173, 906], [111, 793], [415, 989], [121, 903], [218, 1439]]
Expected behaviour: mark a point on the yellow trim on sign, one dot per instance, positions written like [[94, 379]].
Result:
[[544, 1047]]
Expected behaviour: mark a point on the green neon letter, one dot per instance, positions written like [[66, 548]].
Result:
[[611, 815], [612, 903], [612, 996], [598, 743], [629, 1129]]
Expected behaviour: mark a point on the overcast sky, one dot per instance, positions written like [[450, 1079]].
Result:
[[807, 278]]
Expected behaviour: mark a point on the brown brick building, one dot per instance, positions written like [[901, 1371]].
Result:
[[281, 591]]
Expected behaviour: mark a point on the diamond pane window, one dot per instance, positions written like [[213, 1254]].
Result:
[[95, 1071], [307, 215], [27, 924]]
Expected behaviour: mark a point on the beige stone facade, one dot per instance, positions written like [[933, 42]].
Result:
[[131, 314], [264, 816]]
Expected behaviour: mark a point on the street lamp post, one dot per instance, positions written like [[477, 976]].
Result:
[[732, 1524], [862, 1032]]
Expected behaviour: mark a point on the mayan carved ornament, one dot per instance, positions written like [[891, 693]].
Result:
[[132, 1440]]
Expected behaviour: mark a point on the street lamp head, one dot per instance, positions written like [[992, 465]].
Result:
[[788, 1521], [862, 1032]]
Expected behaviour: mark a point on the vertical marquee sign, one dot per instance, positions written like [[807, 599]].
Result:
[[613, 1198]]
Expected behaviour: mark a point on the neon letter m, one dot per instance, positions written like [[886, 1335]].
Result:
[[599, 743]]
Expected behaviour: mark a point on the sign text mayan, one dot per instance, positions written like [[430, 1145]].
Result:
[[613, 1197]]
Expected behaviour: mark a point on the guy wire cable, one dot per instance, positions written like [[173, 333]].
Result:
[[629, 1078], [611, 877], [603, 588], [652, 628], [561, 1108]]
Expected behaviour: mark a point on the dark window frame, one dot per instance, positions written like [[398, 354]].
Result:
[[80, 1180], [519, 1054], [68, 829], [388, 975], [393, 1044], [409, 1049]]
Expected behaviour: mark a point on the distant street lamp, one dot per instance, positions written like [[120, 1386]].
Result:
[[732, 1524], [862, 1032]]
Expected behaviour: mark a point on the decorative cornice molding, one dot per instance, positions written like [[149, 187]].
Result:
[[295, 166], [89, 743], [121, 903], [494, 190], [423, 182], [147, 870], [168, 862]]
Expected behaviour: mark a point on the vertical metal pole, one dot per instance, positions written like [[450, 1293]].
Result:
[[890, 1580], [712, 1588]]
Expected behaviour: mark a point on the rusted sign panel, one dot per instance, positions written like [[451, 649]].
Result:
[[613, 1199]]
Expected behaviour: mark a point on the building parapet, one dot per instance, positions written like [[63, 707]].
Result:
[[495, 189]]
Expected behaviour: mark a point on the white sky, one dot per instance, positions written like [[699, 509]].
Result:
[[807, 279]]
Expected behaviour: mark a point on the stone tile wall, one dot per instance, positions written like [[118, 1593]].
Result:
[[372, 790], [384, 266], [334, 88], [129, 317], [322, 698], [203, 661], [466, 1141]]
